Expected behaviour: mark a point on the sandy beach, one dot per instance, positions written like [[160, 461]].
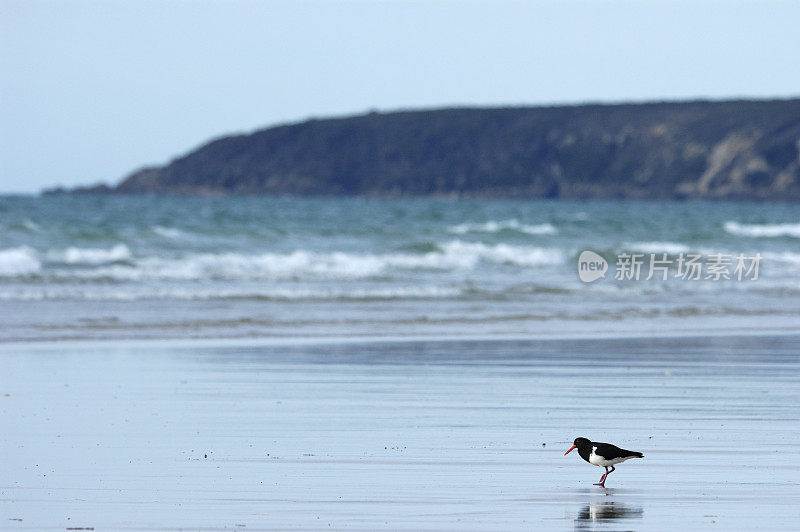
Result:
[[403, 435]]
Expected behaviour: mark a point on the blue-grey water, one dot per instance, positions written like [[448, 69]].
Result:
[[134, 267]]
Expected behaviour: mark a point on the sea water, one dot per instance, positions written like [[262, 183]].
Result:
[[79, 267]]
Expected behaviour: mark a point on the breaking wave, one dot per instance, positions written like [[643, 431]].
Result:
[[504, 225], [74, 255], [18, 262], [168, 232], [784, 257], [763, 230], [671, 248], [119, 264], [275, 293]]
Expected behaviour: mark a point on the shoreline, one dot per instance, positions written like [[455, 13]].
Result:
[[354, 339]]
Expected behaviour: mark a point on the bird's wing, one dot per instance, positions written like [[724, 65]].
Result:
[[609, 452]]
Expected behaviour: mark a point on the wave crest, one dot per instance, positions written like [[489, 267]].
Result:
[[672, 248], [271, 293], [19, 262], [503, 225], [302, 264], [93, 256], [118, 264], [171, 233], [763, 230]]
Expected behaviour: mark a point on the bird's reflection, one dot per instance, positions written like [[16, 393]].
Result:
[[597, 513]]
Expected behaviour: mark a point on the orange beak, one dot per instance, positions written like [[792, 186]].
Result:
[[570, 450]]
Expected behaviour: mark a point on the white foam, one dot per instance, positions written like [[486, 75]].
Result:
[[763, 230], [18, 261], [297, 265], [236, 266], [504, 253], [786, 257], [31, 225], [285, 293], [495, 227], [94, 256], [658, 247], [168, 232], [452, 256]]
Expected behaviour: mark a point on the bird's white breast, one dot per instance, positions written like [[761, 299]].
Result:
[[598, 460]]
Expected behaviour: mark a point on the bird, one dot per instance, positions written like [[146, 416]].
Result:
[[602, 455]]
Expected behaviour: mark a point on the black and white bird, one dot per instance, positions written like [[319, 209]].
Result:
[[602, 455]]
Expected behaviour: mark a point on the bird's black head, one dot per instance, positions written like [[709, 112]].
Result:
[[578, 443]]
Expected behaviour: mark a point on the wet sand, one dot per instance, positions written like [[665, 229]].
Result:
[[414, 435]]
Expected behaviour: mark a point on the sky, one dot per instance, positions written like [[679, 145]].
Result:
[[93, 90]]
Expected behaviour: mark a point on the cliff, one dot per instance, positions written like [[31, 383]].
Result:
[[730, 150]]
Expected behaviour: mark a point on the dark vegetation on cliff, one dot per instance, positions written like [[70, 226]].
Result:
[[730, 150]]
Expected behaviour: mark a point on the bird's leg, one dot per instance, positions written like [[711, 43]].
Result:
[[602, 482]]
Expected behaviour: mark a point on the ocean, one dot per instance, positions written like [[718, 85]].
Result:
[[117, 267]]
